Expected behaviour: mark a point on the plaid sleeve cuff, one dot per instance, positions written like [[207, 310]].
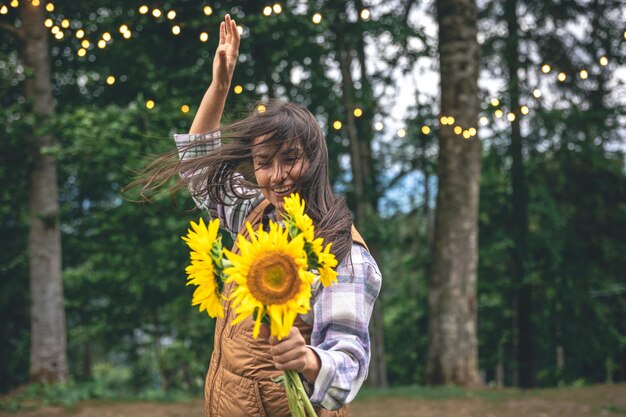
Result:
[[191, 145], [324, 380]]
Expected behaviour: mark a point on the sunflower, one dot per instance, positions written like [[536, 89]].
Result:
[[206, 266], [271, 278], [326, 266], [319, 257], [295, 218]]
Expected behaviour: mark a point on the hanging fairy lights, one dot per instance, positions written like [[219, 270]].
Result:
[[61, 27]]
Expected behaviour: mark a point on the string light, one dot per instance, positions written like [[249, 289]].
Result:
[[15, 3], [316, 19], [260, 108], [36, 3], [4, 10], [240, 30], [184, 108]]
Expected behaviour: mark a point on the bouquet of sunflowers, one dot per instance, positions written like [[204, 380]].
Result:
[[272, 277]]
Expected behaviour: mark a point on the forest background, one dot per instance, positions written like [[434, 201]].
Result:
[[550, 280]]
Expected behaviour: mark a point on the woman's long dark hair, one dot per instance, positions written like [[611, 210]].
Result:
[[228, 170]]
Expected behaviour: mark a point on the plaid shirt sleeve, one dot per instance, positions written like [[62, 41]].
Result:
[[233, 214], [340, 337]]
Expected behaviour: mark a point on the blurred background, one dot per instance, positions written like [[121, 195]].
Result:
[[480, 147]]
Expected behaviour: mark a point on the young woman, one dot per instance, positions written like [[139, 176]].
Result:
[[242, 172]]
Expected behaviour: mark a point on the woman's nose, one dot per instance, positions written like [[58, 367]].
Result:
[[279, 173]]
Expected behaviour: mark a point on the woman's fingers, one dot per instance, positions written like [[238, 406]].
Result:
[[235, 37], [222, 33]]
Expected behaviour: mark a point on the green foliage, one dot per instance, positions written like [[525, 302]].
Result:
[[132, 331]]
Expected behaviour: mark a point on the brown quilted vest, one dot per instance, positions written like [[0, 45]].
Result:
[[239, 381]]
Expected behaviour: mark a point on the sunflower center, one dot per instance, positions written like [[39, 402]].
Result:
[[273, 279]]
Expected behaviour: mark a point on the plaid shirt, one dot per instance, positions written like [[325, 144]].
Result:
[[340, 314]]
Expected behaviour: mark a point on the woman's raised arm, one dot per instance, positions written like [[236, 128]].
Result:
[[212, 106]]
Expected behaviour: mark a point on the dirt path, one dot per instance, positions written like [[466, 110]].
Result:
[[607, 400]]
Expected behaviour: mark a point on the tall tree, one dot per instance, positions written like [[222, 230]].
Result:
[[453, 346], [526, 361], [48, 358], [350, 47]]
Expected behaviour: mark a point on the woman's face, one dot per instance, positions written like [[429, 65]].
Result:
[[278, 169]]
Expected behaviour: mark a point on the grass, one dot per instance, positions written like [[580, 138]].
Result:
[[440, 393], [33, 396]]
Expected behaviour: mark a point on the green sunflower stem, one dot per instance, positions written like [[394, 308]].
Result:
[[292, 396], [297, 394]]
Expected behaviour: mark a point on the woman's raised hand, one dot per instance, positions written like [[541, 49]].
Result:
[[212, 105], [227, 52]]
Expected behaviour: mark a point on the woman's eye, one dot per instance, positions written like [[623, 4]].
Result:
[[262, 162]]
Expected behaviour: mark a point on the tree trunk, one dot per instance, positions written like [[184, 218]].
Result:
[[363, 180], [519, 222], [452, 350], [48, 357]]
